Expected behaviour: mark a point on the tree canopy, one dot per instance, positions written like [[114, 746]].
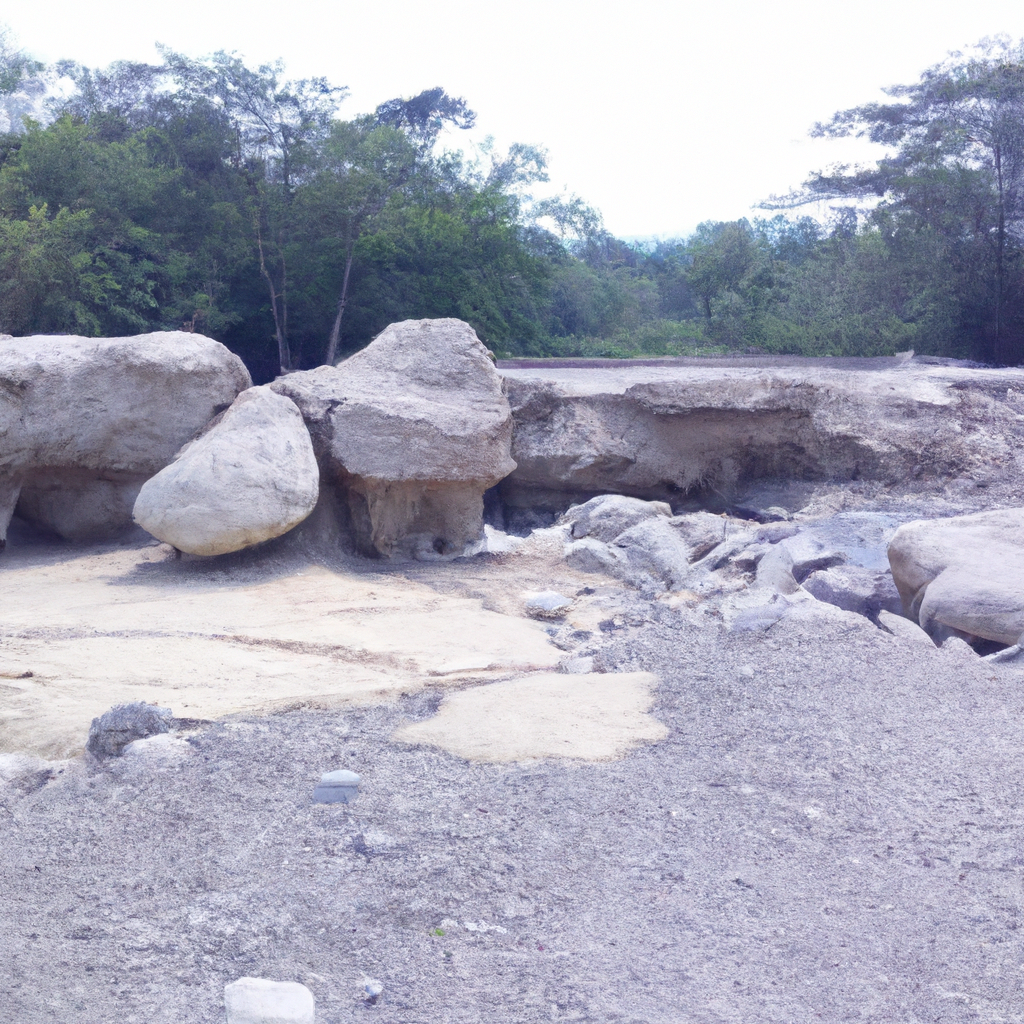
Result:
[[212, 196]]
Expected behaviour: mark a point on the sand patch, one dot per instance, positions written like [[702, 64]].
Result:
[[596, 717], [99, 628]]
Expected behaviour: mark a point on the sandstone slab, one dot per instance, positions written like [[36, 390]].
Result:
[[596, 717], [714, 427], [252, 476], [259, 1001]]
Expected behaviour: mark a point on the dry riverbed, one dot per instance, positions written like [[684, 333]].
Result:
[[808, 822]]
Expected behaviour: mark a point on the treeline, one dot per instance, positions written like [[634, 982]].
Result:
[[215, 197]]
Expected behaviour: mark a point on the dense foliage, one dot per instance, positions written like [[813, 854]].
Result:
[[210, 196]]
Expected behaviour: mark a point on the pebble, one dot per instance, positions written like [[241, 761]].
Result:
[[547, 604], [338, 787], [373, 989], [259, 1001]]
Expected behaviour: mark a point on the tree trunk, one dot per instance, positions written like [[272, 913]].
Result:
[[280, 321], [1000, 260], [332, 347]]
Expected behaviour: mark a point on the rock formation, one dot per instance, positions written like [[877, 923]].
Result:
[[963, 576], [412, 430], [250, 477], [667, 431], [85, 421]]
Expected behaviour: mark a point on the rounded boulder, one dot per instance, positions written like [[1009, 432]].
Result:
[[250, 477]]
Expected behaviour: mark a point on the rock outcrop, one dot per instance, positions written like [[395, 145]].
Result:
[[248, 478], [662, 432], [412, 430], [85, 421], [963, 576]]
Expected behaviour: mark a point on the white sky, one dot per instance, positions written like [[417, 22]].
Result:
[[659, 114]]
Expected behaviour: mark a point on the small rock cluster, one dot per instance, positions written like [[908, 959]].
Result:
[[958, 577]]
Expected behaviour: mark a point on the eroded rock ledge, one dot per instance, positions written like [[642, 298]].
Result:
[[664, 432]]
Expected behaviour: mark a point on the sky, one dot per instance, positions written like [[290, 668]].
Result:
[[660, 115]]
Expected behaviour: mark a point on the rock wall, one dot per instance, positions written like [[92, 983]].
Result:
[[665, 432]]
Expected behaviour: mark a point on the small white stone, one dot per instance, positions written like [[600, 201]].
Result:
[[547, 604], [374, 989], [579, 666], [258, 1001]]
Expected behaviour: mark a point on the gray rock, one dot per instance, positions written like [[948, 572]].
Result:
[[122, 724], [776, 571], [251, 477], [85, 421], [337, 787], [904, 628], [413, 429], [703, 531], [547, 604], [854, 589], [963, 575], [657, 548], [608, 515], [258, 1001], [590, 555]]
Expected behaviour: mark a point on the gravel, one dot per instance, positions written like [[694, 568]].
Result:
[[831, 831]]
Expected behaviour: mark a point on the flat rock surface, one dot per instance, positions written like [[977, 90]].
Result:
[[84, 628]]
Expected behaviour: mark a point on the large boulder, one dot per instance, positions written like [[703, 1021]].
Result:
[[412, 430], [715, 427], [250, 477], [85, 421], [964, 575]]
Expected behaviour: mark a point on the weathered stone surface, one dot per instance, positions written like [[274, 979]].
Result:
[[608, 515], [258, 1001], [84, 421], [656, 548], [124, 723], [414, 428], [904, 628], [963, 574], [659, 432], [547, 604], [865, 591], [250, 477]]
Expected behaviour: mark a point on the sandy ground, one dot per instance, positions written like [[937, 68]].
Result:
[[84, 628], [815, 821], [831, 829]]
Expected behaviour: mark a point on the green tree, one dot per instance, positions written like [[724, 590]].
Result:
[[955, 172]]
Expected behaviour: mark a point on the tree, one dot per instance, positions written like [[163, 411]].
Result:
[[278, 127], [361, 165], [22, 84], [956, 169]]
